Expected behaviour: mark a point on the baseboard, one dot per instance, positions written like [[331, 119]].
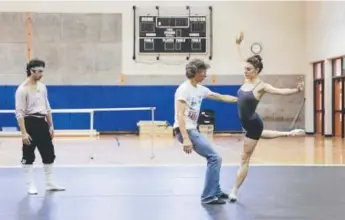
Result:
[[119, 133], [228, 132], [328, 135], [137, 133], [309, 133]]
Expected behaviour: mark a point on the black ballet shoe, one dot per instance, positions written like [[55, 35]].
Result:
[[223, 196], [215, 201]]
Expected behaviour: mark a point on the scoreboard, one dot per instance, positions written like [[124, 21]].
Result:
[[172, 34]]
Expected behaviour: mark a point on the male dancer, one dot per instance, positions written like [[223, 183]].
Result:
[[188, 99], [34, 117]]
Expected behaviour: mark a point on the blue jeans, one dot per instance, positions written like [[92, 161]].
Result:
[[203, 147]]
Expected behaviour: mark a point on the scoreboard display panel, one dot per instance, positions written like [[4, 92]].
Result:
[[172, 34]]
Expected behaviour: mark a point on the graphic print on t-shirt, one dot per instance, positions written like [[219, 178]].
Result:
[[192, 115], [194, 108]]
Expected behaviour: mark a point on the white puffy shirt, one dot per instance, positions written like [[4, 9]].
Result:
[[29, 100]]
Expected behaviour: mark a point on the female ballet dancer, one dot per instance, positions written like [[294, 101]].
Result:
[[249, 96]]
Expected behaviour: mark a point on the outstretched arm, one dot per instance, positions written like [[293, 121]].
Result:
[[281, 91], [222, 98]]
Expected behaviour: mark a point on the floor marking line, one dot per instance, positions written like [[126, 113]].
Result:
[[174, 165]]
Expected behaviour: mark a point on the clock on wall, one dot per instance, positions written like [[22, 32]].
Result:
[[256, 48]]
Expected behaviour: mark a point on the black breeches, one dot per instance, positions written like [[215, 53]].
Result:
[[38, 129]]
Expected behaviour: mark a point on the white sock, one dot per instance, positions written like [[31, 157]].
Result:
[[29, 178], [50, 184]]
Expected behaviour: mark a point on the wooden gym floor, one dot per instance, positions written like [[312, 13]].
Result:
[[298, 178], [134, 150]]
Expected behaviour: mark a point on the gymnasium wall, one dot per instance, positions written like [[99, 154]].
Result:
[[325, 34], [88, 48]]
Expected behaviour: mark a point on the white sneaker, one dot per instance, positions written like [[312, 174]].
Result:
[[50, 184], [29, 178]]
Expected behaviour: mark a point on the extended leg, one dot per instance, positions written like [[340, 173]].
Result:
[[269, 134]]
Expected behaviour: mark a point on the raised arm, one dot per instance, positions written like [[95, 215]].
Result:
[[239, 39], [282, 91]]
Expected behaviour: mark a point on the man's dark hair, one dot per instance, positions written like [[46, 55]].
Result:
[[195, 66], [33, 64]]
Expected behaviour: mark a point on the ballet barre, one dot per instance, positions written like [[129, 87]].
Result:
[[90, 111]]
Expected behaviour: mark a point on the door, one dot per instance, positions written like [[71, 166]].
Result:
[[338, 107], [318, 108]]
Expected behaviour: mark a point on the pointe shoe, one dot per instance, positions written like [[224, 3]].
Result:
[[297, 132], [50, 184], [232, 197]]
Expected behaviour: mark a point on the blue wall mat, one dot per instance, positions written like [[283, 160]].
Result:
[[162, 97]]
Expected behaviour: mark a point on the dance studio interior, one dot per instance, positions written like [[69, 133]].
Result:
[[112, 69]]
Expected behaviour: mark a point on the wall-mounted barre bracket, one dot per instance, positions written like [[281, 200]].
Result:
[[211, 33], [157, 8], [134, 32], [188, 9]]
